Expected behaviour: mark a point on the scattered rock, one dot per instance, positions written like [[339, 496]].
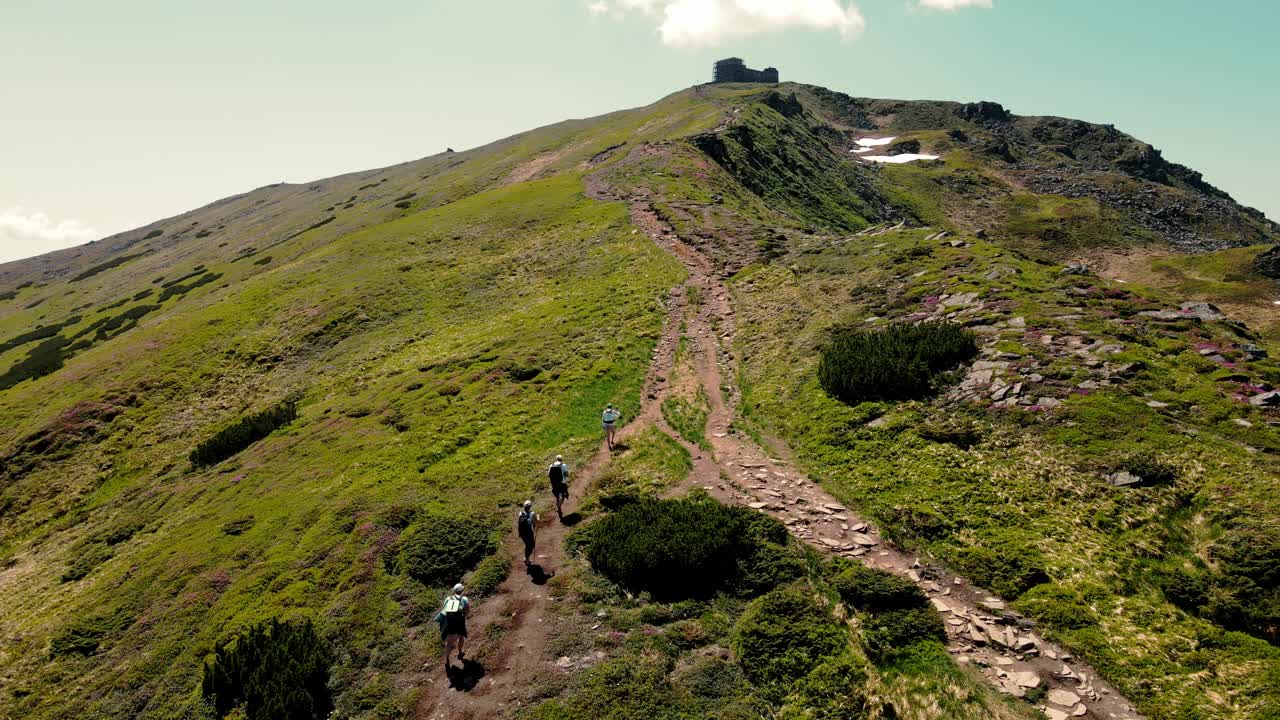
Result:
[[1124, 478], [1025, 678], [1065, 698], [1266, 399]]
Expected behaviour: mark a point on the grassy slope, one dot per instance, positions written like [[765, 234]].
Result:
[[1030, 491], [440, 358]]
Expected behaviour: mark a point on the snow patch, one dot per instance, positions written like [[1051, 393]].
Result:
[[875, 142], [897, 159], [860, 150]]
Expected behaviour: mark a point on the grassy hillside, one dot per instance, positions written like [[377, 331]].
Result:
[[405, 348]]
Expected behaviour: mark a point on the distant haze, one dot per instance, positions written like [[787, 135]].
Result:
[[118, 114]]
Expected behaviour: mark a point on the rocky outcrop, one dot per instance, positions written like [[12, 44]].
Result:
[[984, 112], [904, 147], [1268, 263]]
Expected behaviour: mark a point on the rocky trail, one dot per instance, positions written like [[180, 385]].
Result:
[[982, 632], [510, 637]]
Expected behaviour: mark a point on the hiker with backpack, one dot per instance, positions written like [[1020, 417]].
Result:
[[452, 619], [558, 474], [607, 421], [525, 523]]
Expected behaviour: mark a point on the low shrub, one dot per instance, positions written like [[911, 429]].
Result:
[[86, 560], [104, 266], [179, 290], [438, 549], [834, 690], [900, 362], [783, 634], [273, 670], [489, 574], [83, 637], [43, 359], [712, 678], [871, 590], [243, 433], [1007, 565], [265, 260], [1058, 606], [237, 526], [689, 548], [885, 633]]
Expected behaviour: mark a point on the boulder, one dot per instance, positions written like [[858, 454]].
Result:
[[1266, 399], [904, 147], [983, 112], [1124, 478], [1202, 311], [1025, 678], [1253, 351]]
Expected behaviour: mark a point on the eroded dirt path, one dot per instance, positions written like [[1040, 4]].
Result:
[[510, 636], [982, 633]]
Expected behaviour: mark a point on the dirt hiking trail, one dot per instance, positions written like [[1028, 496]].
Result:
[[510, 639]]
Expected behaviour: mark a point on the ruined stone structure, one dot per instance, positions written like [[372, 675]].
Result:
[[734, 70]]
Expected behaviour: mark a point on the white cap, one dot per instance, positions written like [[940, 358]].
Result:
[[457, 589], [559, 458], [528, 504]]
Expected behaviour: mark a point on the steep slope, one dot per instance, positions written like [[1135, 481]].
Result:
[[441, 327]]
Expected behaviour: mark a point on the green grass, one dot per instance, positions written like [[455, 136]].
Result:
[[689, 418], [364, 442]]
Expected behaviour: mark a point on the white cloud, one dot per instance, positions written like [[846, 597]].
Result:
[[599, 7], [23, 234], [954, 4], [692, 23]]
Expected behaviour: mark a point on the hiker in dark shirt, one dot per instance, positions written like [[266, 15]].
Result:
[[525, 523], [558, 473]]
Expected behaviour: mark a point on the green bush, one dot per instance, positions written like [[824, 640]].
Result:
[[835, 690], [243, 433], [712, 678], [489, 574], [871, 590], [86, 560], [1006, 565], [899, 362], [438, 550], [689, 548], [273, 671], [783, 634], [41, 360], [104, 266], [886, 632], [83, 637], [1058, 606]]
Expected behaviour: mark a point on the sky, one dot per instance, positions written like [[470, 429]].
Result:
[[116, 114]]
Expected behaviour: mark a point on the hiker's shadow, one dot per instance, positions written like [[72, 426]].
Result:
[[571, 519], [466, 677], [538, 575], [621, 447]]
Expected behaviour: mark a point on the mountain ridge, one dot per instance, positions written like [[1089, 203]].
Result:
[[1106, 463]]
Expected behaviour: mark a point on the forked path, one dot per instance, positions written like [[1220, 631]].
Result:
[[982, 632]]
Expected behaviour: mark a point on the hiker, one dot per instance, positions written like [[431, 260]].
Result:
[[607, 420], [453, 623], [525, 522], [558, 473]]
